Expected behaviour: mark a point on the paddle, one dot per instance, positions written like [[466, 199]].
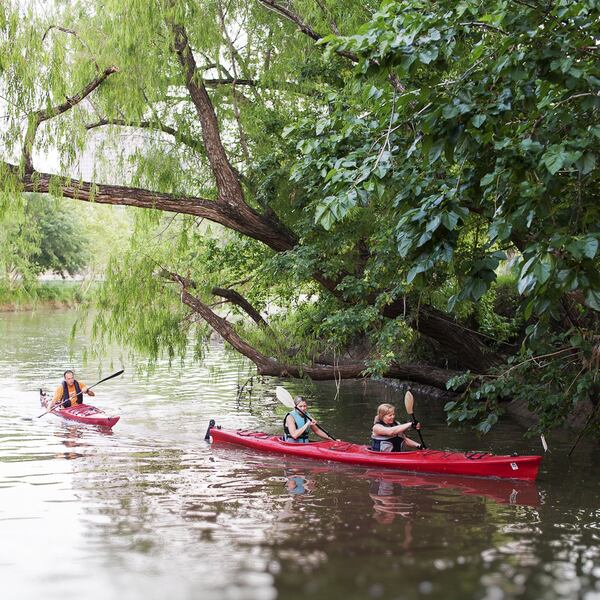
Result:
[[409, 402], [286, 399], [89, 388]]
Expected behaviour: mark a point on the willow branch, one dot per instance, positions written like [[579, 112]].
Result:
[[236, 111], [37, 118], [327, 14], [302, 26], [73, 33], [153, 126], [229, 81]]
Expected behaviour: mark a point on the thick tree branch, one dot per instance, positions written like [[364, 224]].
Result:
[[239, 300], [37, 118], [229, 190], [261, 230], [226, 331], [228, 186], [466, 346], [269, 366]]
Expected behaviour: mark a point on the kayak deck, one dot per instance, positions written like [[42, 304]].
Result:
[[82, 413], [478, 464]]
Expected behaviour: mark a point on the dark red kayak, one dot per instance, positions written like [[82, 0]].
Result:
[[478, 464], [82, 413]]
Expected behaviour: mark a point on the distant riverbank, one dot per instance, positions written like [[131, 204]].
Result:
[[49, 294]]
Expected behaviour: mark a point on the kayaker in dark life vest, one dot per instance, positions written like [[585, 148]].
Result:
[[70, 391], [296, 426], [388, 434]]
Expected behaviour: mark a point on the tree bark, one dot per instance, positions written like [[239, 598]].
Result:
[[239, 300]]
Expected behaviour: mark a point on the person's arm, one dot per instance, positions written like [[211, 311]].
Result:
[[57, 398], [317, 431], [411, 443], [294, 430], [391, 431], [84, 390]]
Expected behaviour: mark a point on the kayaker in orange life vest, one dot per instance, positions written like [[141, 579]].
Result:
[[389, 435], [70, 391], [295, 426]]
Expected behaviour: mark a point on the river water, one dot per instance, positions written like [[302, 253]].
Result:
[[151, 511]]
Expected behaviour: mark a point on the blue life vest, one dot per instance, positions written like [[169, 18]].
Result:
[[78, 399], [387, 443], [300, 422]]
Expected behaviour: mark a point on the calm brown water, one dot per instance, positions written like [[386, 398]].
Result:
[[150, 511]]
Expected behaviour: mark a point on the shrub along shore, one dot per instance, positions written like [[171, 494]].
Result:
[[52, 294]]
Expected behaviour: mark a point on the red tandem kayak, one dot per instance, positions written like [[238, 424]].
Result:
[[478, 464], [82, 413]]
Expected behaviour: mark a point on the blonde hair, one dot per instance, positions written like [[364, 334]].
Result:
[[384, 409]]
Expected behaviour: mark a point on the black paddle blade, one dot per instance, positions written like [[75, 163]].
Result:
[[211, 424]]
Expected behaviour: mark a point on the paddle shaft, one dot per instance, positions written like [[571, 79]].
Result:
[[102, 381], [414, 420], [89, 388], [321, 428]]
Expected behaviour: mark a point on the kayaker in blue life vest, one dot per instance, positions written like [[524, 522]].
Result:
[[70, 391], [389, 435], [296, 425]]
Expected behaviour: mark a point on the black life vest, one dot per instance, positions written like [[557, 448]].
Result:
[[78, 399], [389, 443]]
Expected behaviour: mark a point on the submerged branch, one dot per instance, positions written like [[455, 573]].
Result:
[[319, 372]]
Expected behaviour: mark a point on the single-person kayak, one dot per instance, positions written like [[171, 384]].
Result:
[[478, 464], [82, 413]]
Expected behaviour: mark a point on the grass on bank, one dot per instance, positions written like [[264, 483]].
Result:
[[48, 293]]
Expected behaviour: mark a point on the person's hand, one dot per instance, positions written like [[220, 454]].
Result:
[[84, 389], [415, 425]]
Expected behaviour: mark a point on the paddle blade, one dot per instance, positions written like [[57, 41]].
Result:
[[409, 402], [211, 424], [284, 397]]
